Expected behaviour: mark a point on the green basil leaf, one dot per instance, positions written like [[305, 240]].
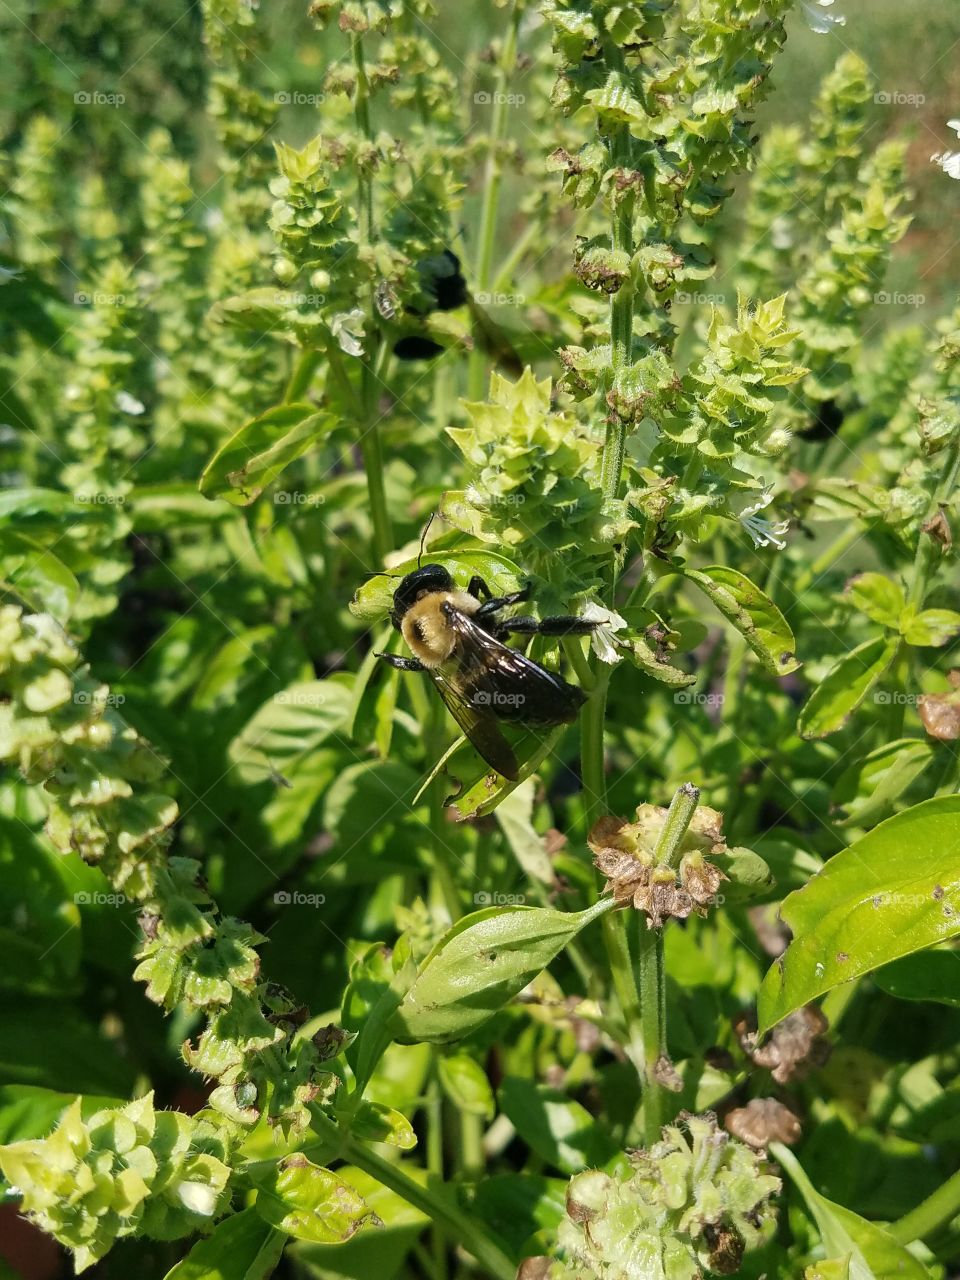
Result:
[[293, 724], [557, 1128], [893, 892], [929, 627], [256, 454], [926, 975], [379, 1253], [844, 687], [872, 1252], [872, 783], [480, 964], [242, 1247], [880, 598], [30, 573], [465, 1083], [754, 615], [374, 1122], [308, 1202]]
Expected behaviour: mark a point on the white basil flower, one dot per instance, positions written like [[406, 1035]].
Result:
[[127, 403], [603, 636], [765, 533], [819, 22]]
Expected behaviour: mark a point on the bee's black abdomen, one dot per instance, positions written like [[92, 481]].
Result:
[[416, 348]]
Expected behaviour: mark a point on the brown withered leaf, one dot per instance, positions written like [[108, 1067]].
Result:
[[535, 1269], [700, 878], [940, 715], [938, 527], [795, 1044], [610, 832], [667, 1075]]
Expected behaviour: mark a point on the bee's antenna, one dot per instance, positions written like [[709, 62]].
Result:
[[423, 537]]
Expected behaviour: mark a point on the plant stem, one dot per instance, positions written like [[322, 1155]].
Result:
[[682, 808], [369, 441], [652, 978], [372, 454], [471, 1145], [430, 714], [614, 930], [621, 328], [483, 270], [434, 1199], [302, 375], [434, 1109], [613, 925], [591, 751], [936, 1211], [652, 985]]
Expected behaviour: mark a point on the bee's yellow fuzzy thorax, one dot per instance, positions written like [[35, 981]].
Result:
[[427, 630]]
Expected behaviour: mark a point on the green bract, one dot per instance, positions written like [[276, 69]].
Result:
[[690, 1207], [120, 1172]]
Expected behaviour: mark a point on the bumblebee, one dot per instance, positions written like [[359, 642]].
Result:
[[443, 288], [458, 638]]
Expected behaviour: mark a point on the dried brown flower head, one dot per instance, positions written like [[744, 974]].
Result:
[[625, 853], [795, 1044], [762, 1121]]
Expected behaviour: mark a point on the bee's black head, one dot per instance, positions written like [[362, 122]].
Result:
[[431, 577]]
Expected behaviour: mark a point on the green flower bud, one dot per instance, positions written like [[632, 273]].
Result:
[[691, 1207], [124, 1171]]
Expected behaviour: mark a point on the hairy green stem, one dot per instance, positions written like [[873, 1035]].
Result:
[[434, 1199], [371, 452], [621, 329], [613, 925], [614, 930], [429, 713], [939, 1208], [483, 269], [682, 808], [650, 967], [652, 985]]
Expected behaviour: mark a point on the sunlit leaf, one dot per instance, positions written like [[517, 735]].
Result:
[[893, 892]]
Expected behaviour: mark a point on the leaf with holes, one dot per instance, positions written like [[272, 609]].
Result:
[[255, 455], [753, 613], [480, 964], [895, 891]]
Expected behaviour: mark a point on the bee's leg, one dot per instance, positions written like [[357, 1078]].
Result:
[[497, 603], [477, 587], [401, 664], [559, 625]]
